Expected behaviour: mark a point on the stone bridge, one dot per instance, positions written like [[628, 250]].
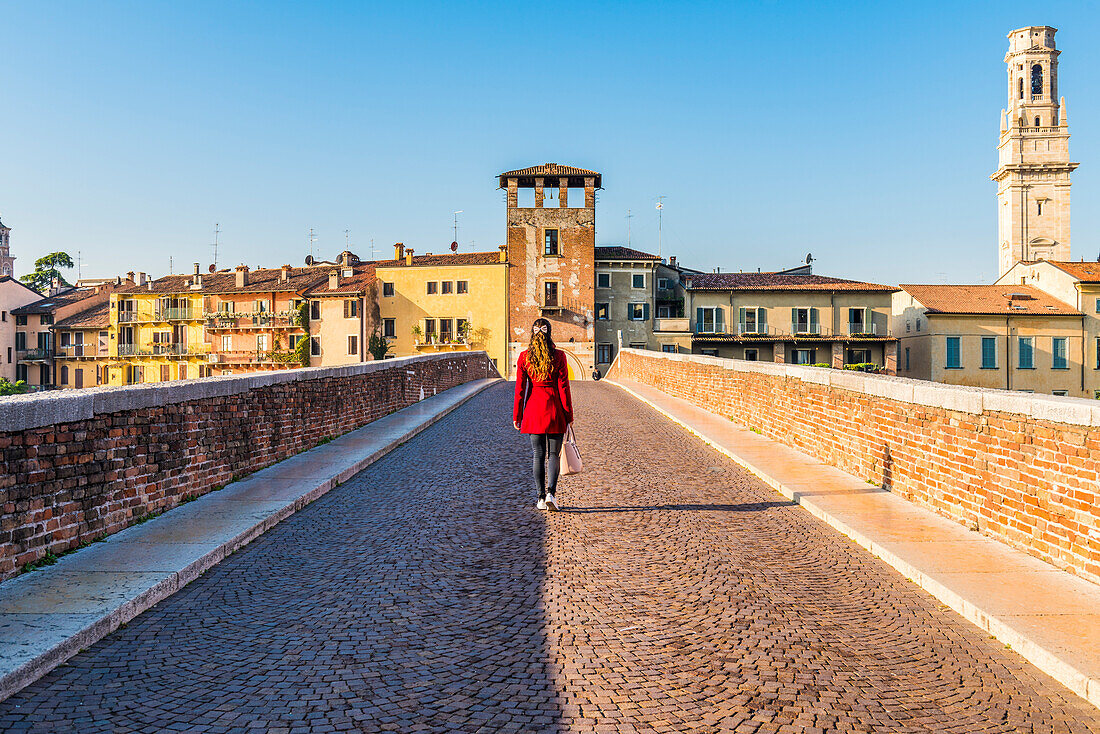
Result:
[[397, 577]]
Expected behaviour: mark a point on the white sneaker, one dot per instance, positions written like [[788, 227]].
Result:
[[541, 504], [551, 503]]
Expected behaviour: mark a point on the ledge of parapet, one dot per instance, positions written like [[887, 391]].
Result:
[[1070, 411], [35, 410]]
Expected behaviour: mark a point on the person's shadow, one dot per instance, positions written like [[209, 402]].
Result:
[[744, 507]]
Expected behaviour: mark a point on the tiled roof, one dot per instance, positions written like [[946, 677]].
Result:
[[6, 278], [988, 300], [458, 258], [52, 303], [526, 176], [95, 317], [776, 282], [360, 282], [616, 252], [1086, 272], [261, 280]]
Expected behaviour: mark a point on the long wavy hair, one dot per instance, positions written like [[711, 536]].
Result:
[[540, 352]]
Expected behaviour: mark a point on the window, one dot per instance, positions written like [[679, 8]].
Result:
[[433, 287], [709, 352], [638, 312], [99, 375], [907, 359], [664, 312], [550, 243], [66, 338], [1060, 393], [429, 328], [351, 308], [804, 356], [21, 341], [804, 321], [1021, 86], [461, 327], [65, 375], [389, 328], [1026, 351], [859, 356], [662, 284], [603, 311], [9, 355], [1039, 204], [752, 320], [668, 348], [447, 286], [637, 280], [315, 346], [637, 345], [989, 352], [1098, 305], [78, 377], [954, 358], [462, 286], [181, 372], [603, 353], [1036, 79], [387, 289], [752, 355], [347, 272], [227, 343], [446, 333], [550, 294], [353, 344], [907, 325], [315, 310], [21, 319], [227, 307], [21, 372], [3, 315], [918, 324], [261, 306], [165, 372], [262, 343], [1058, 352], [709, 320], [45, 319], [603, 280], [226, 372]]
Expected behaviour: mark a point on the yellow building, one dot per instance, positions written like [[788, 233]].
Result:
[[81, 355], [156, 332], [444, 303], [1012, 337]]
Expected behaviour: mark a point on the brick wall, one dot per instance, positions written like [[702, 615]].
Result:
[[81, 463], [1021, 468]]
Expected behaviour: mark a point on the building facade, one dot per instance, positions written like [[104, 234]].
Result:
[[13, 295], [1012, 337], [551, 254], [7, 262], [81, 353], [1033, 176], [625, 301], [787, 318]]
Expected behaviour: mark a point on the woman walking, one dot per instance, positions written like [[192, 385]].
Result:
[[543, 407]]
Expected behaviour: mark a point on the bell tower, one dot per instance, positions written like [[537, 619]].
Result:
[[7, 262], [1034, 167]]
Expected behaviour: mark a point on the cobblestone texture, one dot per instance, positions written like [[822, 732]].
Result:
[[675, 593]]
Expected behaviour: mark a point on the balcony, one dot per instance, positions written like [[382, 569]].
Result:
[[672, 324], [78, 350], [163, 350], [246, 321], [867, 330], [158, 314], [255, 357], [33, 355]]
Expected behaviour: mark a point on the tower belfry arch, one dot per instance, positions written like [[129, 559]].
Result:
[[1033, 174]]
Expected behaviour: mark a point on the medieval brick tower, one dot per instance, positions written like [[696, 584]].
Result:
[[551, 255], [7, 262], [1033, 176]]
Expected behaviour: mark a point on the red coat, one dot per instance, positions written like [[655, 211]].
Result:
[[543, 406]]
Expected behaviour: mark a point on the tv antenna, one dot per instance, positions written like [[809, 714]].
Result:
[[347, 240], [629, 216], [217, 231], [454, 245], [372, 249], [312, 239], [660, 222]]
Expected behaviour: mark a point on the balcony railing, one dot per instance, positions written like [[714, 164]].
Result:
[[158, 314], [672, 324], [858, 329], [254, 356], [79, 350], [31, 355], [163, 350], [260, 320]]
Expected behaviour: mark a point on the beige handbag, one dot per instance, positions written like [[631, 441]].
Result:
[[570, 454]]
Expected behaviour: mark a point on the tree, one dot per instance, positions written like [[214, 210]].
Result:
[[46, 269], [378, 346], [9, 388]]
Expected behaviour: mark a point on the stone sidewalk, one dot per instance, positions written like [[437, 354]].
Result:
[[1050, 617], [50, 614]]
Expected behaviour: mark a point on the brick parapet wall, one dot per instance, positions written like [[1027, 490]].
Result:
[[78, 464], [1018, 467]]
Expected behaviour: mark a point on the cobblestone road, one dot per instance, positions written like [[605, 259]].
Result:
[[676, 593]]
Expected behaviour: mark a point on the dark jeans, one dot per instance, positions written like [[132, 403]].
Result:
[[546, 449]]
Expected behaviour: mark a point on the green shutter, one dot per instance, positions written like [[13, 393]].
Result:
[[645, 312], [794, 320], [719, 320], [698, 319], [813, 320], [741, 318], [762, 320]]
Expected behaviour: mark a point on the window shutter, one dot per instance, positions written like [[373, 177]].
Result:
[[645, 312], [719, 320], [868, 324], [794, 320], [813, 320], [762, 320], [741, 318], [699, 322]]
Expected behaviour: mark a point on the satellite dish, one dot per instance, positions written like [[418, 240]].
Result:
[[309, 259], [809, 258], [454, 247], [212, 268]]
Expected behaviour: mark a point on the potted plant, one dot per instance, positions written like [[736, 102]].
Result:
[[464, 332], [417, 333]]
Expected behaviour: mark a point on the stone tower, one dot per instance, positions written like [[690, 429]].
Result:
[[551, 255], [1034, 167], [7, 262]]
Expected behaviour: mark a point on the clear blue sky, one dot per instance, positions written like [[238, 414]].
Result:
[[861, 132]]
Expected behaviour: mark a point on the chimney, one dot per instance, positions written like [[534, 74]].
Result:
[[196, 268], [398, 250], [503, 253], [242, 275], [130, 276], [672, 261], [196, 282], [284, 273], [55, 286], [141, 278], [409, 256], [333, 280]]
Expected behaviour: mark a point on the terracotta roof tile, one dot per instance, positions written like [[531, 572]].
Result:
[[551, 170], [616, 252], [96, 317], [1086, 272], [52, 303], [459, 258], [261, 280], [776, 282], [988, 300]]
